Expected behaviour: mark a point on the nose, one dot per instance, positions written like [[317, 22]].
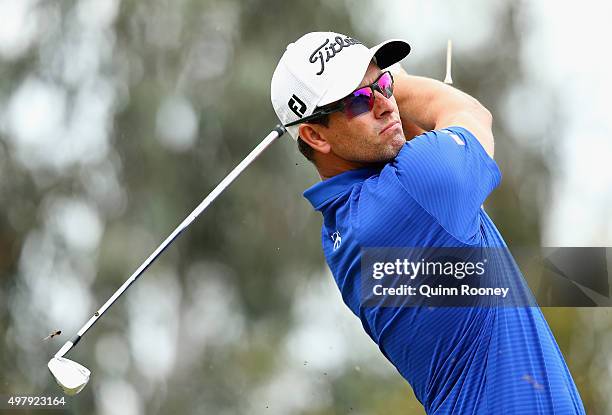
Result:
[[382, 105]]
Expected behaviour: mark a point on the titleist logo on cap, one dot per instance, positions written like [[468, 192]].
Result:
[[331, 49]]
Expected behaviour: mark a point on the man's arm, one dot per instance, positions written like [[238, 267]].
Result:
[[431, 105]]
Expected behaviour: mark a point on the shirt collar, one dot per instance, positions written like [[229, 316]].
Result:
[[329, 189]]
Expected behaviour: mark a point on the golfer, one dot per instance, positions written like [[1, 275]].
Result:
[[407, 161]]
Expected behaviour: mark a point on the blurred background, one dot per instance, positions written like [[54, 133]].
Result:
[[118, 117]]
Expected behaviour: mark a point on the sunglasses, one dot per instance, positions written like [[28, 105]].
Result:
[[357, 102]]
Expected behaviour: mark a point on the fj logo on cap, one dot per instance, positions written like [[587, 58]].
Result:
[[331, 49], [297, 105]]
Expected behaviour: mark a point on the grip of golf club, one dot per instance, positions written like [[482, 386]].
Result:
[[280, 129]]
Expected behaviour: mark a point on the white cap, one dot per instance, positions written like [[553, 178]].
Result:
[[323, 67]]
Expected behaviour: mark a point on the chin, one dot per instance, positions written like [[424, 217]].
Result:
[[398, 142], [388, 153]]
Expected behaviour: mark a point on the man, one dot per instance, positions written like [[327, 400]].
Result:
[[352, 117]]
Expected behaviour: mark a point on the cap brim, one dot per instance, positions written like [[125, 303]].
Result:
[[386, 54], [390, 52]]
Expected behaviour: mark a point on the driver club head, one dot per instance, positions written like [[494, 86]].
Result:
[[71, 376]]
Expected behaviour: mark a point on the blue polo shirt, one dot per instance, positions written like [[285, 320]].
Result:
[[459, 360]]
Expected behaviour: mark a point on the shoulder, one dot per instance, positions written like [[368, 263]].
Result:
[[448, 154]]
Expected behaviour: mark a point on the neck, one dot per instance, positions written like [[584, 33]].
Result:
[[330, 165]]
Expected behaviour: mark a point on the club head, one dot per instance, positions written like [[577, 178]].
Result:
[[71, 376]]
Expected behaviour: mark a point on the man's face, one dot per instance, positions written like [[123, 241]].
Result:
[[375, 136]]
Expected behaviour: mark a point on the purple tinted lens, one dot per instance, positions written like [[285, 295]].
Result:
[[385, 83], [359, 102]]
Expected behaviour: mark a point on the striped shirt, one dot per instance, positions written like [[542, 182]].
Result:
[[459, 360]]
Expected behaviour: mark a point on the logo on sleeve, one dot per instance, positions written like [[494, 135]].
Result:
[[337, 239], [455, 137]]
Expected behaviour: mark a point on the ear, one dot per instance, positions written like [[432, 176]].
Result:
[[314, 136]]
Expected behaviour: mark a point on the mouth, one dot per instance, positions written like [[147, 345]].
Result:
[[389, 127]]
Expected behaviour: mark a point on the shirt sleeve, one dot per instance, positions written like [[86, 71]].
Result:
[[450, 175]]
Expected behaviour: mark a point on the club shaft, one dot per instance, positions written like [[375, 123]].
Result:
[[269, 139], [449, 53]]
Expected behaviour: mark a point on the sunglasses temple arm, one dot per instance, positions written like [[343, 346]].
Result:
[[310, 118]]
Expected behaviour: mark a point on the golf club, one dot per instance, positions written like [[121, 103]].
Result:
[[71, 376]]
